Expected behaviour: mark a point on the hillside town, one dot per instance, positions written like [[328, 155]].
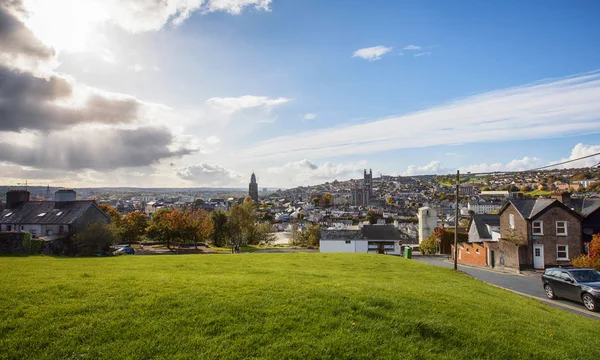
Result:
[[382, 214]]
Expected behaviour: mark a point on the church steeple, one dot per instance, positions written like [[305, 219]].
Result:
[[253, 188]]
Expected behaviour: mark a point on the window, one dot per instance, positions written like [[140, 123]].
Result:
[[348, 242], [41, 214], [537, 228], [9, 214], [468, 251], [562, 252], [33, 232], [59, 213], [61, 229], [7, 227], [511, 221], [477, 251], [561, 228], [537, 252]]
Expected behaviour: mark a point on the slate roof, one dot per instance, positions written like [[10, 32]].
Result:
[[30, 212], [584, 206], [380, 232], [367, 232], [481, 221], [529, 208]]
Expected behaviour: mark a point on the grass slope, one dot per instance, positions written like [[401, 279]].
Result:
[[277, 306]]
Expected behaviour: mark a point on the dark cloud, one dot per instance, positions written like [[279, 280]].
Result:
[[99, 149], [16, 38], [28, 102]]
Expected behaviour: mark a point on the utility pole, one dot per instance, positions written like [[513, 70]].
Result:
[[456, 221]]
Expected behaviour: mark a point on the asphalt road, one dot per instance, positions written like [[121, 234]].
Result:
[[528, 284]]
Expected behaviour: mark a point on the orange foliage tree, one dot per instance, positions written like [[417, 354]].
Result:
[[592, 259]]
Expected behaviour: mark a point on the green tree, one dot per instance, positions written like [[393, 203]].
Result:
[[220, 233], [95, 239], [372, 217], [316, 201], [133, 226]]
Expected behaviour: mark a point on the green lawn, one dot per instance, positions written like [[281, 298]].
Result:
[[272, 306], [538, 192]]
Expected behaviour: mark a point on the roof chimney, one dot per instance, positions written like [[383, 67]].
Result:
[[15, 197], [64, 195]]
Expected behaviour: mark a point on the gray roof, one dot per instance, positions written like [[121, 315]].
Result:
[[481, 221], [367, 232], [584, 206], [529, 208], [380, 232], [30, 212]]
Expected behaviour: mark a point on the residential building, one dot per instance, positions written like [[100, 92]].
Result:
[[59, 218], [550, 231], [483, 207], [376, 239]]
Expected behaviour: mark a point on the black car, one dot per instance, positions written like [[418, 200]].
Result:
[[578, 284]]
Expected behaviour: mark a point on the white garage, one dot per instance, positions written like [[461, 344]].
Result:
[[376, 239]]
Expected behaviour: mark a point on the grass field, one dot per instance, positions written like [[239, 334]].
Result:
[[275, 306], [538, 192]]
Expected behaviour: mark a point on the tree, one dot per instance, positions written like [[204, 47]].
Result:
[[372, 217], [312, 234], [592, 259], [241, 220], [296, 238], [220, 232], [113, 214], [199, 225], [316, 201], [133, 226], [261, 234], [327, 199], [96, 238], [166, 225]]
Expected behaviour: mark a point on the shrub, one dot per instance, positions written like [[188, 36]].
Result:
[[31, 246], [585, 261]]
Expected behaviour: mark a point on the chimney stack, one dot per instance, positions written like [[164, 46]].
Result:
[[15, 197]]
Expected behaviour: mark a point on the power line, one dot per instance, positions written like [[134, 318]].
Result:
[[539, 168]]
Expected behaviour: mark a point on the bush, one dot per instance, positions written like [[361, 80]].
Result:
[[96, 239], [428, 246], [31, 246], [585, 261]]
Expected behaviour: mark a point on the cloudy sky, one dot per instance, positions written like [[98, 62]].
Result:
[[179, 93]]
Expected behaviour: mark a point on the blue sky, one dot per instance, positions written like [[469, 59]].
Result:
[[303, 92]]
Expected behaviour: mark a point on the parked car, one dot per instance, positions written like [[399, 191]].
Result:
[[123, 249], [577, 284]]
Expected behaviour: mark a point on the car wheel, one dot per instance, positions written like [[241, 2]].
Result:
[[589, 302], [550, 292]]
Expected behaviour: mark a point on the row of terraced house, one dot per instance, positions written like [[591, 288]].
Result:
[[532, 233]]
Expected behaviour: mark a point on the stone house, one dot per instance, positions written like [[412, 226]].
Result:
[[49, 219], [547, 231]]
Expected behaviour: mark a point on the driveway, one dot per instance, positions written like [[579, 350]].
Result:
[[529, 284]]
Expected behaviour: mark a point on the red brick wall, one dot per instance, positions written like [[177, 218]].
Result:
[[469, 253]]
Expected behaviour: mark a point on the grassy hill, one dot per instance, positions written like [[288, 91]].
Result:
[[276, 306]]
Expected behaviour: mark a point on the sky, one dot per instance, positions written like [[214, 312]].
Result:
[[190, 93]]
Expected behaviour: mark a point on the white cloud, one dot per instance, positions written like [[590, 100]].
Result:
[[526, 112], [232, 105], [209, 174], [525, 163], [429, 169], [372, 53], [580, 150], [412, 47], [136, 68], [307, 172], [427, 53], [309, 116]]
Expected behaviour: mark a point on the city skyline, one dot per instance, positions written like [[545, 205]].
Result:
[[202, 93]]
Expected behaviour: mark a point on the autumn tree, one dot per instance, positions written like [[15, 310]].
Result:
[[199, 225], [316, 201], [592, 258], [113, 214], [166, 225], [327, 200], [242, 220]]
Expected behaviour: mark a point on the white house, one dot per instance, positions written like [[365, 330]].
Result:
[[427, 222], [376, 239], [483, 207]]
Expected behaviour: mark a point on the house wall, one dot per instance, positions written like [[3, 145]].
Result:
[[472, 253], [507, 255], [550, 240], [339, 246], [473, 234], [591, 225], [522, 228], [92, 214]]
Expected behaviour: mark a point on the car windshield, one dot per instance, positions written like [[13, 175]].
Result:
[[586, 275]]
